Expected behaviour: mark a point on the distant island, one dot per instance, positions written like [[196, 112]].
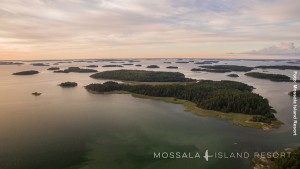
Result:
[[152, 66], [127, 64], [235, 99], [228, 68], [142, 76], [28, 72], [172, 67], [68, 84], [281, 67], [272, 77], [168, 62], [233, 75], [291, 93], [210, 70], [53, 68], [76, 70], [112, 66], [207, 62], [138, 65], [11, 63], [92, 66], [39, 64], [182, 62]]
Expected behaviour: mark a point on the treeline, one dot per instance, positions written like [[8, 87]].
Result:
[[292, 162], [142, 76], [272, 77], [224, 96]]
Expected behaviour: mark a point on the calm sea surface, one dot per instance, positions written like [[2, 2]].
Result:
[[73, 129]]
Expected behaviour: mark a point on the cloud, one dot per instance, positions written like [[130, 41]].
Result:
[[281, 49], [46, 25]]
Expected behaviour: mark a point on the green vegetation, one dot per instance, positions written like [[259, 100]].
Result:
[[182, 62], [172, 67], [11, 63], [92, 66], [53, 68], [228, 68], [76, 70], [281, 67], [224, 96], [211, 70], [68, 84], [112, 66], [142, 76], [28, 72], [233, 75], [207, 62], [291, 93], [39, 64], [152, 66], [282, 162], [272, 77]]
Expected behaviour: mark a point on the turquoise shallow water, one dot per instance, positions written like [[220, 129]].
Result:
[[71, 128]]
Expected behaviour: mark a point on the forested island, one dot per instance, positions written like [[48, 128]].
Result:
[[233, 75], [91, 66], [68, 84], [210, 70], [75, 70], [235, 99], [112, 66], [142, 76], [207, 62], [272, 77], [53, 68], [152, 66], [39, 64], [291, 93], [281, 67], [182, 62], [138, 65], [172, 67], [229, 68], [11, 63], [127, 64], [28, 72]]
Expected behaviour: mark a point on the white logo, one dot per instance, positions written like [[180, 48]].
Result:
[[206, 155]]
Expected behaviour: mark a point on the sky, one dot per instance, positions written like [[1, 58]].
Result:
[[67, 29]]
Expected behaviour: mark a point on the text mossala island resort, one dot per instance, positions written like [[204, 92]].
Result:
[[295, 119]]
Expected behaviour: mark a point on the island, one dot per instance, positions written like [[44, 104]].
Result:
[[39, 64], [127, 64], [153, 66], [53, 68], [142, 76], [168, 62], [291, 93], [76, 70], [233, 75], [92, 66], [27, 72], [11, 63], [68, 84], [230, 100], [112, 66], [208, 62], [182, 62], [172, 67], [286, 159], [133, 61], [280, 67], [211, 70], [229, 68], [272, 77], [138, 65], [36, 94]]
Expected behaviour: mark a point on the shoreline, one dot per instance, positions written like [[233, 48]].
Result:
[[234, 118]]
